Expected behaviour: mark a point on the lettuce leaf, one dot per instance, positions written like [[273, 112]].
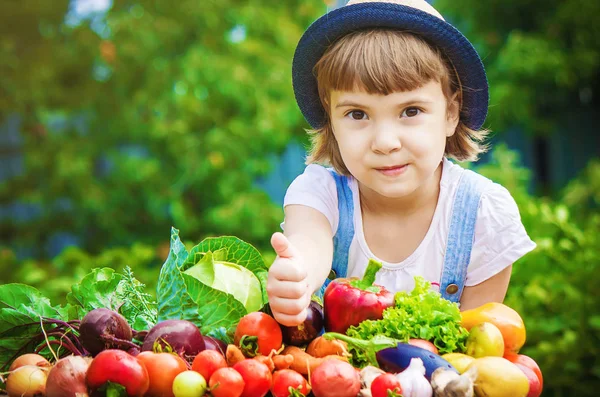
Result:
[[421, 313], [214, 285]]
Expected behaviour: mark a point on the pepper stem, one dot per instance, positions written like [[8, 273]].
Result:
[[366, 283], [368, 347]]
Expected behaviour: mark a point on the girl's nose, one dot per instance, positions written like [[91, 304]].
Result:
[[386, 139]]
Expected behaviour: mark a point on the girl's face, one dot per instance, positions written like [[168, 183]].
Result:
[[392, 144]]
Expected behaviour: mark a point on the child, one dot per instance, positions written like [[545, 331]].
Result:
[[392, 91]]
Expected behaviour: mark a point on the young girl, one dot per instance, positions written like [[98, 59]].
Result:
[[392, 92]]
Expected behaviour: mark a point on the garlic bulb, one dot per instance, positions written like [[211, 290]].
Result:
[[413, 381]]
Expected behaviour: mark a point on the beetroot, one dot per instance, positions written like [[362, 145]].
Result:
[[103, 329], [179, 336], [215, 344]]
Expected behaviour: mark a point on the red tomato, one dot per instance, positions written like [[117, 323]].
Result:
[[285, 379], [263, 330], [162, 369], [257, 377], [118, 367], [424, 344], [207, 362], [226, 382], [386, 385], [526, 361]]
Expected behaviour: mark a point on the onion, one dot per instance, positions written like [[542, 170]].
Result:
[[27, 381], [67, 378], [29, 359]]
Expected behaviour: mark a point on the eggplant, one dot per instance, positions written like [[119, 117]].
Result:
[[307, 331], [397, 359]]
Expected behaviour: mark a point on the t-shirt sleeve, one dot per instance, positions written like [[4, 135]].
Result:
[[500, 237], [315, 188]]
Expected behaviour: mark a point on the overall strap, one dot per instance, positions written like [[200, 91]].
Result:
[[345, 230], [461, 234]]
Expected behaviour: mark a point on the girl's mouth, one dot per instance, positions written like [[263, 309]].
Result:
[[393, 170]]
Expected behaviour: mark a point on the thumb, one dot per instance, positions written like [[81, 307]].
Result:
[[282, 246]]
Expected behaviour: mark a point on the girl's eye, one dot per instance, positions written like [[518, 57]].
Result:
[[411, 112], [356, 115]]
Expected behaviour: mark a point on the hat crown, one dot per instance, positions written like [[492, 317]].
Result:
[[418, 4]]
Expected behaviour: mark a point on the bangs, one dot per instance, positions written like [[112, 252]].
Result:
[[380, 62]]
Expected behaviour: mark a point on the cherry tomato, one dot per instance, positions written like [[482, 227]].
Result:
[[285, 379], [207, 362], [162, 369], [261, 334], [118, 367], [386, 385], [226, 382], [257, 377]]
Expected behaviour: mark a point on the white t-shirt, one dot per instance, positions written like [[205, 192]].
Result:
[[500, 238]]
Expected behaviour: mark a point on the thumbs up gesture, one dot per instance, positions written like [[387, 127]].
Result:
[[287, 285]]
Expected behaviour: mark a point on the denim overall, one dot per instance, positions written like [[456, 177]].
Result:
[[460, 237]]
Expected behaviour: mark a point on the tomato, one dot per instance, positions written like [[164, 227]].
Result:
[[162, 369], [119, 367], [424, 344], [285, 379], [386, 385], [207, 362], [257, 377], [226, 382], [260, 333]]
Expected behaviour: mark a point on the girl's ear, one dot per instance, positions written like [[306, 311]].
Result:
[[453, 116]]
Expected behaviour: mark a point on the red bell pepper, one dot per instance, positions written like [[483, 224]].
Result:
[[350, 301]]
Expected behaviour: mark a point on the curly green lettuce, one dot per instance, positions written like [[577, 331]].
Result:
[[421, 313]]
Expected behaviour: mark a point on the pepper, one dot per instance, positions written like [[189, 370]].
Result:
[[350, 301]]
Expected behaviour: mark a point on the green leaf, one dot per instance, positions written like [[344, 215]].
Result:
[[230, 278], [173, 300], [217, 313], [22, 309], [233, 250], [214, 285], [96, 290]]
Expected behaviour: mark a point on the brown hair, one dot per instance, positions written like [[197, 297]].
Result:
[[382, 61]]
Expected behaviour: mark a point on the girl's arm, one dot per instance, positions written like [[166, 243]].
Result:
[[310, 232], [304, 256], [491, 290]]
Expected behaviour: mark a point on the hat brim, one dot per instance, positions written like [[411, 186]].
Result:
[[339, 22]]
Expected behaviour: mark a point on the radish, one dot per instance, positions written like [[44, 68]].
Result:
[[335, 378]]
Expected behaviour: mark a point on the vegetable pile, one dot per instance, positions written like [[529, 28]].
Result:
[[209, 333]]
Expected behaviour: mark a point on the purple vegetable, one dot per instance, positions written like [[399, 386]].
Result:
[[179, 336], [214, 344], [308, 330], [397, 359], [103, 329]]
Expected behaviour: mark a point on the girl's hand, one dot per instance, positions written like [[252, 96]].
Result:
[[287, 285]]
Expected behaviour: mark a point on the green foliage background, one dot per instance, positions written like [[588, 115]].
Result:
[[205, 88]]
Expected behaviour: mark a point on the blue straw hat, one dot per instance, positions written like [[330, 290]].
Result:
[[416, 16]]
